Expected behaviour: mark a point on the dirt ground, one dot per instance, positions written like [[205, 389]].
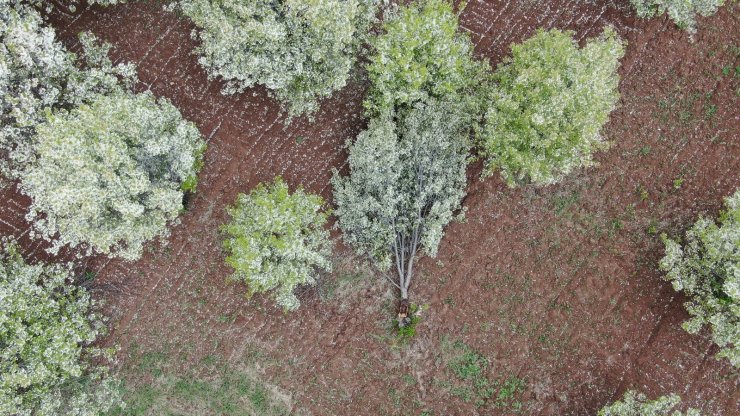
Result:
[[556, 288]]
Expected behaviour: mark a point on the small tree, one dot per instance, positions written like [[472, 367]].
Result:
[[301, 50], [407, 179], [109, 176], [637, 404], [549, 104], [421, 54], [707, 269], [278, 240], [683, 12], [37, 74], [46, 327]]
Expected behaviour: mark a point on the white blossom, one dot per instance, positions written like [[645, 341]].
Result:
[[637, 404], [277, 241], [300, 50], [548, 104], [109, 176], [38, 75], [683, 12], [707, 269], [46, 327], [407, 180]]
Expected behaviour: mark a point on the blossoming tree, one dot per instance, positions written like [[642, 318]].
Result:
[[46, 327], [406, 181], [109, 176], [38, 75], [277, 240], [706, 267], [300, 50], [421, 53], [637, 404], [407, 169], [683, 12], [548, 105]]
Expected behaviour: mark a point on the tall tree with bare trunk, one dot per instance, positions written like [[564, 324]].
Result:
[[406, 183]]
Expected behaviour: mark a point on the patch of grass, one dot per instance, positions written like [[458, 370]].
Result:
[[210, 386], [226, 318], [562, 203], [471, 383], [153, 362], [508, 393], [469, 367], [677, 183], [642, 192], [615, 225], [404, 335], [652, 228], [333, 288], [88, 276]]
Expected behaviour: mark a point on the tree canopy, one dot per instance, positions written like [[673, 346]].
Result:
[[406, 181], [38, 75], [548, 105], [277, 241], [421, 53], [46, 327], [706, 267], [301, 50], [109, 176], [637, 404], [683, 12]]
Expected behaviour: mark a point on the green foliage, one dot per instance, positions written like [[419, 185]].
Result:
[[472, 383], [548, 106], [405, 333], [108, 175], [38, 75], [508, 392], [302, 50], [707, 269], [159, 385], [469, 364], [637, 404], [683, 12], [107, 2], [277, 240], [407, 179], [470, 368], [46, 327], [421, 54]]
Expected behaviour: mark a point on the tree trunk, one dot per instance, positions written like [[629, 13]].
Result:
[[404, 312]]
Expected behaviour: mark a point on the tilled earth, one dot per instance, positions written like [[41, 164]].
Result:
[[557, 287]]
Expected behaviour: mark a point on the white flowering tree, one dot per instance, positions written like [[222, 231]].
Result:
[[107, 2], [46, 327], [707, 269], [421, 53], [301, 50], [548, 105], [682, 12], [637, 404], [38, 75], [406, 181], [109, 176], [277, 241]]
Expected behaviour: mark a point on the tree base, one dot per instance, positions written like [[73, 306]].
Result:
[[404, 313]]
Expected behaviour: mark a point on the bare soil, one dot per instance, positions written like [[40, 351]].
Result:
[[555, 286]]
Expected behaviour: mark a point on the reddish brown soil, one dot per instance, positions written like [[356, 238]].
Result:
[[558, 285]]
